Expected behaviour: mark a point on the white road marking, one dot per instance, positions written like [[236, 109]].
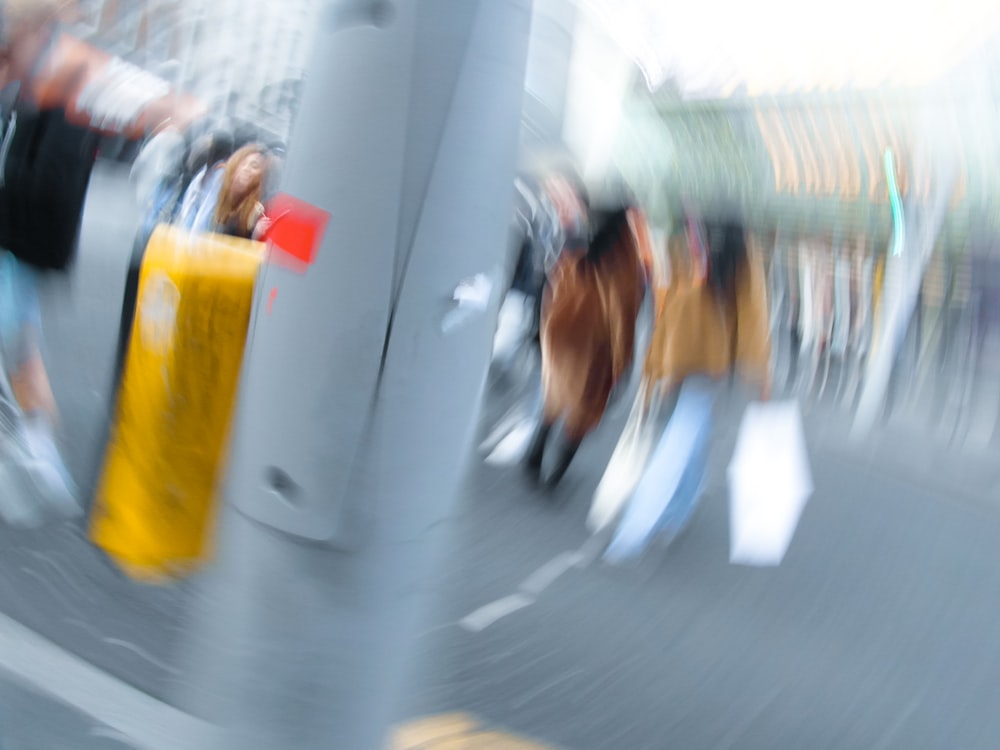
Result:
[[530, 589], [148, 724], [546, 575], [485, 616]]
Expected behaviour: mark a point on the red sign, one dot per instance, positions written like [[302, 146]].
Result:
[[297, 228]]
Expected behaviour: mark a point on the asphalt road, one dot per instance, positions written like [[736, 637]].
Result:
[[874, 632], [877, 631]]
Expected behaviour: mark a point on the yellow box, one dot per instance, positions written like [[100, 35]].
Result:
[[157, 497]]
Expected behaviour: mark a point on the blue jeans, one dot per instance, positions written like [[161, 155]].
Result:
[[668, 492], [20, 310]]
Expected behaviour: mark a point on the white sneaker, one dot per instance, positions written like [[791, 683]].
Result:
[[20, 503], [49, 471], [33, 479]]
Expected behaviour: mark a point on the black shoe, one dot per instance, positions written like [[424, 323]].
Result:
[[566, 453], [536, 450]]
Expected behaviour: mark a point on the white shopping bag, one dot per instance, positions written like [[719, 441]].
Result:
[[628, 461], [769, 483]]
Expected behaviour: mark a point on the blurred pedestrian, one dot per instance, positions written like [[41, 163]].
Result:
[[33, 477], [54, 97], [563, 225], [158, 177], [712, 326], [31, 467], [207, 161], [591, 305], [239, 211]]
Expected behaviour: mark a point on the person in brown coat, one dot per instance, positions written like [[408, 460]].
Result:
[[589, 314]]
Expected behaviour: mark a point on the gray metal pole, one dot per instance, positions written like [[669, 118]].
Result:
[[356, 408]]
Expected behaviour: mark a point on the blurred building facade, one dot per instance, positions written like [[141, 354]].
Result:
[[246, 60]]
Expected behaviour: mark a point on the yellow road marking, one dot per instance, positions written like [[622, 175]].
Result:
[[456, 731]]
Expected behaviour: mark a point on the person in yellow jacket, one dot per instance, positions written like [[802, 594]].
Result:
[[712, 324]]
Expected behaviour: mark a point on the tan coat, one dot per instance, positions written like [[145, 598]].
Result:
[[692, 334]]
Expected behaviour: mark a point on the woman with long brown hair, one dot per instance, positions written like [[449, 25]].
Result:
[[240, 210]]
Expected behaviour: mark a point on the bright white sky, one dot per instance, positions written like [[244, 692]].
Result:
[[776, 46]]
